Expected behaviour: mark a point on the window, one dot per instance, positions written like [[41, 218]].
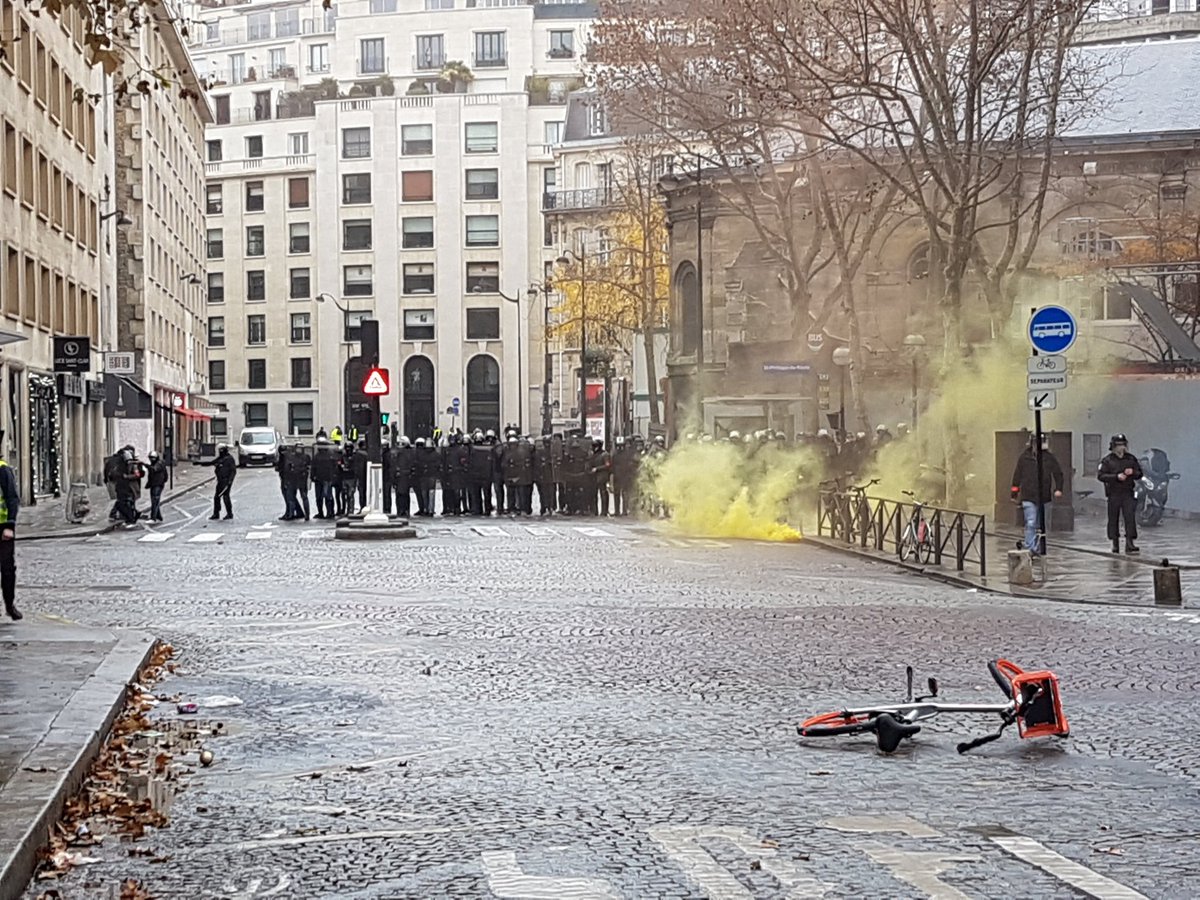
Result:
[[662, 164], [298, 143], [416, 186], [299, 284], [216, 243], [256, 414], [254, 145], [483, 324], [417, 232], [418, 325], [300, 418], [553, 132], [483, 231], [439, 4], [256, 285], [383, 6], [297, 193], [318, 58], [357, 281], [418, 278], [301, 328], [301, 372], [216, 331], [221, 109], [483, 184], [370, 56], [212, 195], [482, 137], [214, 151], [255, 241], [254, 196], [256, 329], [431, 51], [353, 324], [1092, 243], [483, 277], [216, 374], [1110, 302], [356, 143], [562, 44], [287, 22], [356, 234], [489, 49], [356, 188], [416, 140], [597, 120], [298, 237], [256, 375], [258, 26], [220, 427], [212, 32], [237, 68], [216, 287]]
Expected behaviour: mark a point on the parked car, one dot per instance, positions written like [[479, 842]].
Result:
[[258, 446]]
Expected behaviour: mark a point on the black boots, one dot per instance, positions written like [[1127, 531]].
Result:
[[1116, 546], [1131, 547], [13, 612]]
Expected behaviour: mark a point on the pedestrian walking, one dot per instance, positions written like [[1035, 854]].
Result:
[[1026, 490], [1119, 472], [10, 504], [225, 467], [156, 480]]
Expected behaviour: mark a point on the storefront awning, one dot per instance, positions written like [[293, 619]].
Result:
[[193, 414], [10, 337]]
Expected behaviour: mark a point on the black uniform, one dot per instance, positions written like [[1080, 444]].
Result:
[[625, 468], [296, 475], [346, 481], [324, 476], [427, 463], [600, 470], [400, 463], [479, 481], [1121, 502], [156, 480], [359, 465], [518, 476], [8, 543], [498, 476], [456, 471], [129, 473], [225, 467]]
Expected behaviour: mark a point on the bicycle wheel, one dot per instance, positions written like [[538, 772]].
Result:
[[924, 551], [905, 546], [834, 723]]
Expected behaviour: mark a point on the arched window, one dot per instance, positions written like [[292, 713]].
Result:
[[483, 393], [1091, 243], [419, 414], [583, 176], [691, 316]]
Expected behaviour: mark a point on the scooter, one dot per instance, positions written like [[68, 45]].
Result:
[[1151, 489]]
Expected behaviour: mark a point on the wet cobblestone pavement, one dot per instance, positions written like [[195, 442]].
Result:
[[571, 708]]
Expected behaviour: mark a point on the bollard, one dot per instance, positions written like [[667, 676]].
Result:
[[1020, 567], [1167, 589]]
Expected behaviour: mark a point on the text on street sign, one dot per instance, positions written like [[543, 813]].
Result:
[[116, 363], [1053, 381]]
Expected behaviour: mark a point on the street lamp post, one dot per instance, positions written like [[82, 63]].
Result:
[[321, 298], [581, 258], [915, 343], [841, 359], [520, 356], [545, 288]]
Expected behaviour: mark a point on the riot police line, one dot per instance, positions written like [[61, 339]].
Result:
[[480, 474]]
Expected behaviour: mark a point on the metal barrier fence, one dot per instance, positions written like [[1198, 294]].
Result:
[[878, 523]]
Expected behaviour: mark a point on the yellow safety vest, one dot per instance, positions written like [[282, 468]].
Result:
[[3, 505]]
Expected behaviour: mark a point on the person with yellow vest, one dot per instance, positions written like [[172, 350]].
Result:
[[10, 503]]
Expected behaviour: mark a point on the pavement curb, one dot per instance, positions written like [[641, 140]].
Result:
[[1144, 559], [80, 729], [107, 527]]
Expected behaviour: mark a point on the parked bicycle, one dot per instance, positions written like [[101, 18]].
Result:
[[853, 518], [1033, 704], [916, 538]]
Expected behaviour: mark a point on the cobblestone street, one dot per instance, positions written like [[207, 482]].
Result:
[[595, 708]]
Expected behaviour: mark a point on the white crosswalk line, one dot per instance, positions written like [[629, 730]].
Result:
[[313, 534], [156, 537], [593, 532], [258, 535], [541, 531], [207, 537], [489, 530]]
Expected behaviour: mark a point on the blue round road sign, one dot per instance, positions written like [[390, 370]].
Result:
[[1052, 329]]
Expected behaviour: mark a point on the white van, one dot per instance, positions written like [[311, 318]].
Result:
[[258, 446]]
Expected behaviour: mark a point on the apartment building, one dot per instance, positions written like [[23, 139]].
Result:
[[159, 185], [385, 159], [55, 249]]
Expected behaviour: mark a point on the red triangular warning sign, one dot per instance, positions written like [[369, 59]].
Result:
[[376, 383]]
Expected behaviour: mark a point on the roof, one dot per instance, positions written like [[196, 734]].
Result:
[[565, 10], [1152, 87]]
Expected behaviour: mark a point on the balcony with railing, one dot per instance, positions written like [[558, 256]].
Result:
[[234, 37], [245, 115], [490, 60], [260, 164], [579, 199], [428, 62], [372, 65]]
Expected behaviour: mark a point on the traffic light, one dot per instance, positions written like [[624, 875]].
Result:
[[383, 418]]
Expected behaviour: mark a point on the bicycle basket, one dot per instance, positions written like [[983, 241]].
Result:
[[1044, 716]]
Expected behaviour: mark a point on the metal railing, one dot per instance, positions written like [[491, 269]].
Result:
[[580, 198], [877, 523]]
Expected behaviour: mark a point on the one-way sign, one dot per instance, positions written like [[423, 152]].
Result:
[[1039, 400]]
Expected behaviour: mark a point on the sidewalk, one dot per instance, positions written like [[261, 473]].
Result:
[[61, 686], [1175, 539], [1075, 572], [48, 519]]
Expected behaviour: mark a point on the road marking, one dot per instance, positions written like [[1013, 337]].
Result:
[[881, 825], [207, 537], [312, 534], [541, 531], [506, 880], [489, 530], [257, 535], [593, 532], [920, 869], [265, 525], [156, 537], [1078, 876], [718, 883]]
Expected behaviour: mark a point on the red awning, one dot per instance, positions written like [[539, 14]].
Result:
[[193, 414]]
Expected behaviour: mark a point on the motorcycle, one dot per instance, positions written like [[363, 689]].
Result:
[[1150, 491]]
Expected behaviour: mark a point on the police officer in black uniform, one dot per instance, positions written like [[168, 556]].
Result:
[[324, 475], [401, 465], [1119, 472], [225, 467], [624, 467], [600, 470]]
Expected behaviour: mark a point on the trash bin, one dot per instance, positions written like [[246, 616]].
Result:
[[1167, 589]]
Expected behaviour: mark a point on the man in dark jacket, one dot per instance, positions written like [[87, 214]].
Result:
[[427, 464], [359, 462], [346, 481], [324, 475], [479, 481], [1025, 489], [1119, 472], [129, 473], [297, 473], [401, 465], [283, 462], [225, 467], [10, 505], [156, 480], [599, 470]]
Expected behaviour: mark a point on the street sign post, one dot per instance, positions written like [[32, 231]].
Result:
[[1052, 381], [1052, 330], [1039, 400], [119, 363], [72, 354], [1042, 364]]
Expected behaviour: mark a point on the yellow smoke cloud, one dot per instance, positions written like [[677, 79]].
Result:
[[720, 489]]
